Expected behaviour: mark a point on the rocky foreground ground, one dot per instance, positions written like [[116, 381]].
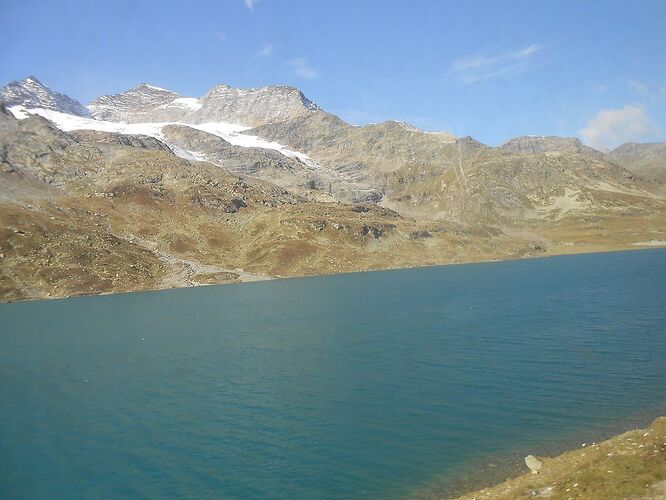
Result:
[[631, 466]]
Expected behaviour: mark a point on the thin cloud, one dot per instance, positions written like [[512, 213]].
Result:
[[302, 68], [612, 127], [478, 67], [652, 92], [220, 37], [250, 4], [265, 51], [638, 87]]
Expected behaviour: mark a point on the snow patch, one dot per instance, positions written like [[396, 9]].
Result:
[[227, 131], [153, 87], [186, 102]]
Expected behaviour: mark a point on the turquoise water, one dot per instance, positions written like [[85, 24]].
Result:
[[365, 385]]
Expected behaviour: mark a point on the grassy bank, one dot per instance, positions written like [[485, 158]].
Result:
[[628, 466]]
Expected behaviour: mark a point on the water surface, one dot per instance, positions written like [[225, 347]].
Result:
[[364, 385]]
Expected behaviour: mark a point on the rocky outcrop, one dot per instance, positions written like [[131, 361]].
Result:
[[5, 114]]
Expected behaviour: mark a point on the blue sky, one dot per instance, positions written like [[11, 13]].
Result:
[[492, 70]]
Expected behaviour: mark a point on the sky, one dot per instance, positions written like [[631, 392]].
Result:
[[492, 70]]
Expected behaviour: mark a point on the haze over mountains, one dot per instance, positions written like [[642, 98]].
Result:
[[319, 195]]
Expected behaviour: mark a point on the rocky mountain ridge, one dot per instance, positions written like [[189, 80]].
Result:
[[538, 144], [32, 93], [222, 103], [426, 176]]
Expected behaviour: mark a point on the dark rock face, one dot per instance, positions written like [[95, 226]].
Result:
[[5, 115], [376, 231]]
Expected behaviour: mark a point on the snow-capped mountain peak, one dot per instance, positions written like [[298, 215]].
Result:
[[133, 106], [145, 110], [31, 93], [147, 103]]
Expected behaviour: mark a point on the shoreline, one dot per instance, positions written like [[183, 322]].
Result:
[[264, 278], [627, 465], [483, 477]]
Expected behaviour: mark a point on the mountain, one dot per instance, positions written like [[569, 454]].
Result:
[[647, 160], [253, 107], [85, 213], [481, 185], [31, 93], [365, 154], [246, 107], [143, 103], [291, 172], [539, 144], [159, 190], [437, 177], [208, 129]]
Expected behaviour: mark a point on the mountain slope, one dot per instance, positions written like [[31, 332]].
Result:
[[420, 174], [293, 173], [491, 186], [91, 213], [364, 154], [647, 160]]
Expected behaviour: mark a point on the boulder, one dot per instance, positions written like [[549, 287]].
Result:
[[533, 463]]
